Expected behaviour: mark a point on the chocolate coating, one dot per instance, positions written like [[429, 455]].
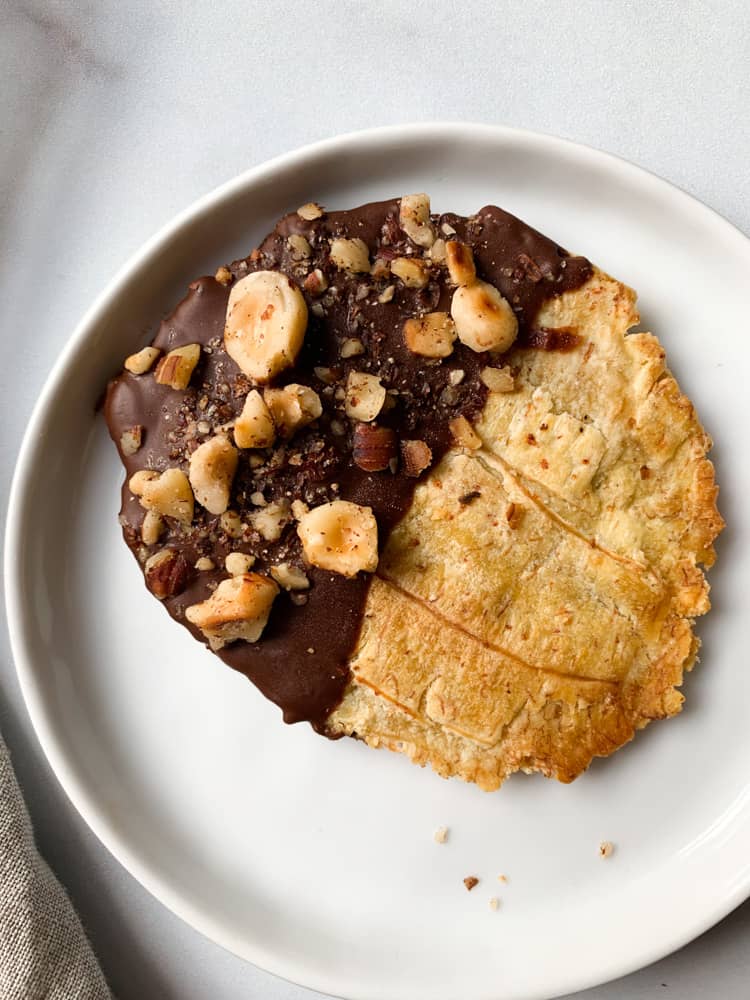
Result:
[[300, 662]]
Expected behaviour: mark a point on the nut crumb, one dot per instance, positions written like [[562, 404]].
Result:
[[502, 878], [223, 276], [470, 881], [606, 849], [440, 835], [494, 902]]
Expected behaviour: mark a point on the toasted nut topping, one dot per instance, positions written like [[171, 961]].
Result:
[[340, 536], [498, 379], [431, 335], [289, 577], [141, 362], [464, 434], [437, 251], [292, 407], [364, 396], [416, 456], [168, 494], [205, 564], [413, 273], [350, 255], [310, 211], [299, 246], [460, 263], [470, 882], [166, 573], [315, 283], [152, 527], [456, 377], [374, 447], [131, 440], [299, 507], [254, 428], [176, 368], [271, 519], [239, 563], [230, 523], [380, 269], [265, 324], [387, 294], [237, 609], [352, 347], [223, 276], [212, 468], [414, 219], [484, 319]]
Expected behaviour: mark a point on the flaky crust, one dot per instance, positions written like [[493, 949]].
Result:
[[535, 606]]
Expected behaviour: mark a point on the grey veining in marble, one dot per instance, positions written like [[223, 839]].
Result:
[[115, 115]]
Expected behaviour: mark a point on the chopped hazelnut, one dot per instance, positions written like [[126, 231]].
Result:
[[365, 396], [387, 294], [484, 319], [413, 273], [606, 849], [464, 434], [315, 283], [212, 468], [230, 524], [265, 324], [498, 379], [437, 251], [310, 211], [168, 494], [350, 255], [292, 407], [416, 457], [237, 610], [254, 427], [431, 335], [456, 377], [340, 536], [299, 246], [152, 527], [470, 882], [352, 347], [441, 835], [460, 260], [494, 903], [373, 447], [414, 219], [176, 368], [166, 573], [299, 507], [223, 276], [289, 578], [270, 520], [205, 564], [131, 440], [238, 563], [141, 362], [380, 268]]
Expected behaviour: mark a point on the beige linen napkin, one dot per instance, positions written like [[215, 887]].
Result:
[[44, 952]]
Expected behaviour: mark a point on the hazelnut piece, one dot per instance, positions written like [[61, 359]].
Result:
[[464, 434], [413, 273], [166, 573], [292, 407], [416, 457], [141, 362], [237, 610], [374, 447], [265, 324], [431, 335], [484, 319], [414, 219], [460, 260], [289, 577], [364, 397], [350, 255], [254, 427], [310, 211], [169, 494], [212, 468], [498, 379], [176, 368], [340, 536]]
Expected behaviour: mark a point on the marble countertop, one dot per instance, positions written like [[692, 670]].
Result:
[[114, 116]]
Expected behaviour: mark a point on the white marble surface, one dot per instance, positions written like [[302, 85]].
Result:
[[113, 116]]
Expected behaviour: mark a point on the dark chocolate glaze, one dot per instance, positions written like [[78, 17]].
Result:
[[301, 660]]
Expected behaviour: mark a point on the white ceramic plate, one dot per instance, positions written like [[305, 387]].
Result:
[[316, 860]]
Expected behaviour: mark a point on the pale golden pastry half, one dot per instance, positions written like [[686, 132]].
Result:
[[536, 604]]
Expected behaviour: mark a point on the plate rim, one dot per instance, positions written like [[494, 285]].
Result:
[[18, 618]]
